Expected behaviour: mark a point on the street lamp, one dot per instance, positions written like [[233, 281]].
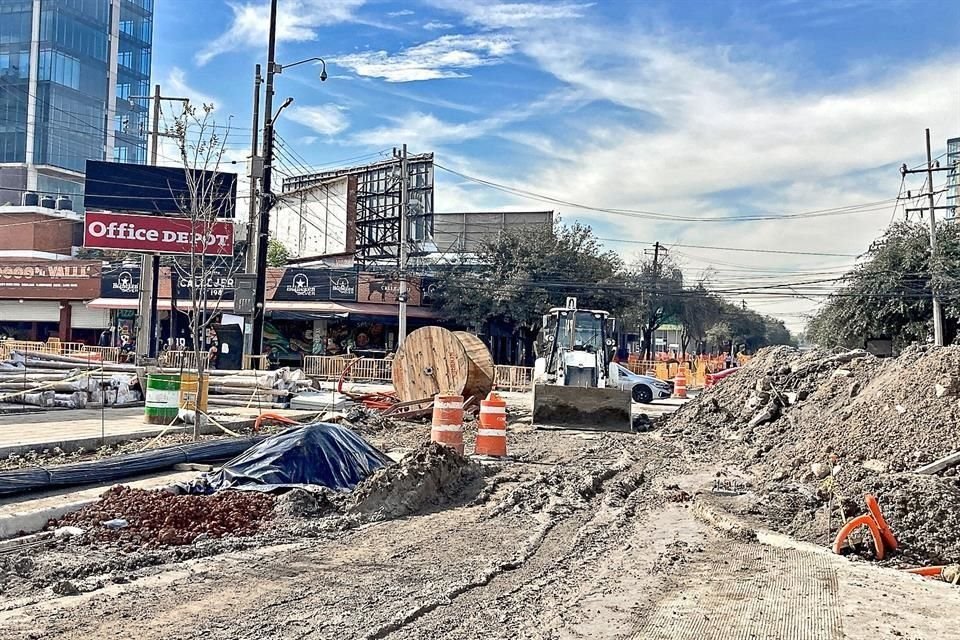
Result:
[[267, 198], [276, 67]]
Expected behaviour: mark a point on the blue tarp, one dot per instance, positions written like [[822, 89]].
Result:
[[316, 454]]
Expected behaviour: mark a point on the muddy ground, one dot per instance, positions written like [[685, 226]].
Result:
[[583, 535]]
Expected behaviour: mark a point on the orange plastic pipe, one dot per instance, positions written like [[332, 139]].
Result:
[[860, 521], [272, 416], [889, 540], [926, 571]]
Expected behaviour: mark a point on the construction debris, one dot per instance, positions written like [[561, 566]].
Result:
[[817, 430], [50, 380], [159, 518]]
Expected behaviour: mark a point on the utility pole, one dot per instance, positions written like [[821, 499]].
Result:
[[266, 196], [404, 209], [147, 312], [256, 172], [648, 328], [937, 311], [932, 210], [147, 329]]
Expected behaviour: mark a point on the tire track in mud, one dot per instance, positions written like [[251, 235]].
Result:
[[589, 511]]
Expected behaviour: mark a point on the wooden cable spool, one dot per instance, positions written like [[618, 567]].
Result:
[[434, 360]]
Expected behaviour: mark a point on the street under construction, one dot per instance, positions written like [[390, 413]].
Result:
[[728, 518]]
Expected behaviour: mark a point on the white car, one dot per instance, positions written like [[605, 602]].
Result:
[[643, 389]]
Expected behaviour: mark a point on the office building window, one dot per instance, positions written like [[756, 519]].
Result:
[[59, 68]]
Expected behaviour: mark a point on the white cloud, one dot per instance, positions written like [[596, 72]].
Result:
[[435, 25], [400, 13], [175, 84], [446, 57], [498, 15], [297, 21], [699, 131], [325, 119]]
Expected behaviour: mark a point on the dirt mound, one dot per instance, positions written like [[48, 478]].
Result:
[[430, 475], [799, 422], [145, 518], [789, 410]]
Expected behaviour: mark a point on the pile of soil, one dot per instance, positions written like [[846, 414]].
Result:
[[431, 475], [151, 518], [815, 429]]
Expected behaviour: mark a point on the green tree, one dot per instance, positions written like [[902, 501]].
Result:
[[889, 294], [277, 253], [516, 277], [656, 294]]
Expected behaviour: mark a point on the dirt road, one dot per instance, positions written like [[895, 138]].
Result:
[[586, 536]]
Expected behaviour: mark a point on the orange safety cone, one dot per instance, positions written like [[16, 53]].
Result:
[[680, 384], [492, 433], [447, 426]]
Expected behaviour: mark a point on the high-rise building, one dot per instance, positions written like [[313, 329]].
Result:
[[67, 71], [953, 177]]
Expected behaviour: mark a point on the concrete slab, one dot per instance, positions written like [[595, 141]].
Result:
[[28, 514]]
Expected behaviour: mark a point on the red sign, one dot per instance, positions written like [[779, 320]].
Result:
[[156, 234]]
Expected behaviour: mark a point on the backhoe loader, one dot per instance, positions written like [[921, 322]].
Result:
[[575, 380]]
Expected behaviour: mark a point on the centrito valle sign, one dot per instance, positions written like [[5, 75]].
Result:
[[156, 234]]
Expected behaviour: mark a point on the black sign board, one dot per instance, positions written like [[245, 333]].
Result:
[[317, 285], [343, 285], [219, 284], [120, 282], [244, 297], [303, 284], [116, 186], [428, 290]]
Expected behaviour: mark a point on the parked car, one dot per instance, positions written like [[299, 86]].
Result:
[[642, 388]]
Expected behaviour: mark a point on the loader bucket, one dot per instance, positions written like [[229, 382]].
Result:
[[581, 408]]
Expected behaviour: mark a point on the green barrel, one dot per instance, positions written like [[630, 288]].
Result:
[[163, 398]]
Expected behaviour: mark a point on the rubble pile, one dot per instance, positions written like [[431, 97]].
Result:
[[816, 430], [430, 475], [802, 413], [151, 518]]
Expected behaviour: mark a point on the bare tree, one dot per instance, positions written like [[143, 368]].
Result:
[[209, 273]]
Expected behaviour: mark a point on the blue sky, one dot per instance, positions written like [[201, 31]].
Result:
[[686, 109]]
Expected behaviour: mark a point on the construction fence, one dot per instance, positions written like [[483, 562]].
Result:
[[54, 346]]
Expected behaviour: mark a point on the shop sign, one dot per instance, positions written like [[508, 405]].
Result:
[[428, 291], [156, 234], [218, 284], [123, 282], [303, 284], [379, 288], [64, 280], [343, 285]]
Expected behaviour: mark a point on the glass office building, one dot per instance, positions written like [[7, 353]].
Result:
[[67, 71]]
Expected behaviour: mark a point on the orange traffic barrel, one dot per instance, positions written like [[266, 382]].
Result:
[[448, 421], [492, 432], [680, 384]]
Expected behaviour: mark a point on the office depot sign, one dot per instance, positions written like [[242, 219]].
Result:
[[156, 234]]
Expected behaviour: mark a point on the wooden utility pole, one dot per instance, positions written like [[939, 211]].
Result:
[[932, 220]]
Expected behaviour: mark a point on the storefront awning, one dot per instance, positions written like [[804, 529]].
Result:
[[162, 304], [340, 308], [322, 309]]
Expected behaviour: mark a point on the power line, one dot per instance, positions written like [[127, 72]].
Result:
[[867, 207]]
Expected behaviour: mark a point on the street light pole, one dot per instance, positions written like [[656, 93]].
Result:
[[266, 196], [404, 209]]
